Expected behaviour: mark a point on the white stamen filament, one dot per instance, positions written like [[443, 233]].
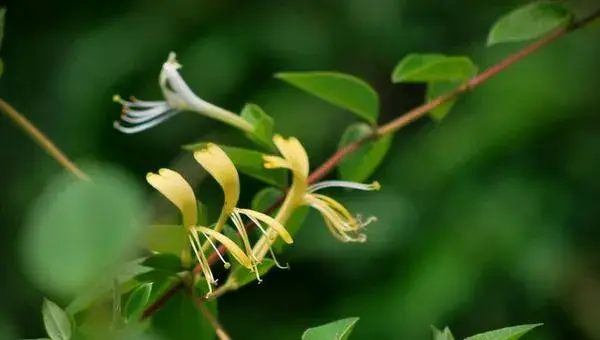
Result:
[[239, 223], [144, 126], [138, 117], [343, 184], [264, 232], [212, 244], [207, 272]]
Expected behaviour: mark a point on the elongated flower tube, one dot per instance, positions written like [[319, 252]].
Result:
[[139, 115], [177, 190], [340, 222], [216, 162]]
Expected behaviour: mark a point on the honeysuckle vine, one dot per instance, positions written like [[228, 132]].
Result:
[[140, 115], [402, 121]]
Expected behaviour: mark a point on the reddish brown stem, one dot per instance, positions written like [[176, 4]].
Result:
[[411, 116]]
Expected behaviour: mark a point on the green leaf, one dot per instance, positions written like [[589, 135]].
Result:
[[267, 196], [1, 67], [529, 22], [243, 276], [508, 333], [78, 231], [233, 235], [361, 164], [137, 301], [179, 319], [425, 68], [56, 321], [436, 89], [249, 162], [102, 288], [337, 330], [170, 239], [167, 262], [442, 335], [343, 90], [295, 222], [262, 123]]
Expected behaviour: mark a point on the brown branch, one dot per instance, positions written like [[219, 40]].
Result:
[[43, 141], [417, 113], [162, 300]]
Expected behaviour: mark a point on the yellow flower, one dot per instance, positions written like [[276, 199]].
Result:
[[175, 188], [140, 115], [216, 162], [340, 222]]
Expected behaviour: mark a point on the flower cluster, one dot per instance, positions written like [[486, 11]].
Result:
[[343, 225]]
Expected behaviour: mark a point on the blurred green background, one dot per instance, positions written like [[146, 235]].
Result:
[[486, 220]]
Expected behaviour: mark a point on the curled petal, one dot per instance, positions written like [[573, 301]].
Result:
[[293, 152], [233, 248], [177, 190], [216, 162], [271, 222], [344, 184]]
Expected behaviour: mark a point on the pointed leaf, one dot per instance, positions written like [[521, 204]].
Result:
[[249, 162], [337, 330], [170, 239], [243, 276], [101, 289], [137, 301], [79, 230], [529, 22], [442, 335], [167, 262], [262, 123], [342, 90], [425, 68], [265, 198], [508, 333], [436, 89], [361, 164], [56, 321]]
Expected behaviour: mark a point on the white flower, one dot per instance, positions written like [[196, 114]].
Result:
[[140, 115]]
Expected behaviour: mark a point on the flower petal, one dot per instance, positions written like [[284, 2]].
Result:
[[335, 205], [294, 153], [233, 248], [271, 222], [177, 190], [216, 162]]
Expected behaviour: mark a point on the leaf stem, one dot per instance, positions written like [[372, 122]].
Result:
[[417, 113], [41, 139]]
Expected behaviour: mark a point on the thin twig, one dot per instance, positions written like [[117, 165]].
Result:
[[199, 302], [43, 141], [419, 112]]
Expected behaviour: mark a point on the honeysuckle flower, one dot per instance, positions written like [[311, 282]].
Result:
[[177, 190], [216, 162], [340, 222], [140, 115]]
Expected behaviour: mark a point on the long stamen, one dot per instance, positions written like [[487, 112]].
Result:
[[344, 184], [145, 126], [210, 280], [136, 102], [264, 232], [225, 263], [138, 117], [239, 224]]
